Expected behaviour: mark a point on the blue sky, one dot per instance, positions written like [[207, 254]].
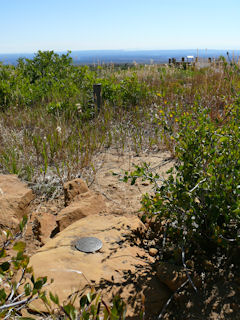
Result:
[[31, 25]]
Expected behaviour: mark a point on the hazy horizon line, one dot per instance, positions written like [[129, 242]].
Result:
[[126, 50]]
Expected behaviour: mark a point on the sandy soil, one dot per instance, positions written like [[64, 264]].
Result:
[[122, 197]]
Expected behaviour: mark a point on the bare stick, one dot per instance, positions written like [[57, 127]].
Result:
[[186, 270], [17, 286], [170, 299]]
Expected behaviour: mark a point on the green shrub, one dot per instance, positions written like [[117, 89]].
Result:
[[6, 86], [199, 202], [132, 92]]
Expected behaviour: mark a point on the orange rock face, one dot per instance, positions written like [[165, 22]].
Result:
[[15, 198], [73, 188], [81, 203], [120, 266], [47, 223]]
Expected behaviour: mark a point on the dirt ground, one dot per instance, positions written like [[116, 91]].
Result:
[[216, 299]]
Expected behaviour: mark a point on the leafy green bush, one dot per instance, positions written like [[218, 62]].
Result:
[[6, 86], [199, 202], [128, 92], [47, 77], [46, 64], [132, 92]]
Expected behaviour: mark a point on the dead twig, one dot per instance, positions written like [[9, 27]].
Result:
[[186, 270], [170, 299]]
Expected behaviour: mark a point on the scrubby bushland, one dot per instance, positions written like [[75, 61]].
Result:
[[49, 132], [53, 81], [198, 205], [49, 126], [195, 211], [199, 201]]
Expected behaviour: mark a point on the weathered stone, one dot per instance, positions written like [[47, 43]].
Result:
[[83, 205], [73, 188], [174, 276], [15, 198], [118, 267], [47, 223]]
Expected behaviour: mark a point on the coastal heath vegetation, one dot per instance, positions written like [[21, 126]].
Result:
[[49, 125], [50, 130], [196, 210]]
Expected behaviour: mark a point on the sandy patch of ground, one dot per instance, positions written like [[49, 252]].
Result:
[[122, 197]]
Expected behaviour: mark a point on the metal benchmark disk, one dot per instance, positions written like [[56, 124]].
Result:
[[88, 244]]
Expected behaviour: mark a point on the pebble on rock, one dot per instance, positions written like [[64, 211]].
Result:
[[153, 252]]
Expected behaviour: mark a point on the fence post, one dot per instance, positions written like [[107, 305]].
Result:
[[97, 96]]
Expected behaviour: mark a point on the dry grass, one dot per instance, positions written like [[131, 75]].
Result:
[[41, 147]]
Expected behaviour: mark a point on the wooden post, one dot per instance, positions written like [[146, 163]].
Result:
[[97, 96]]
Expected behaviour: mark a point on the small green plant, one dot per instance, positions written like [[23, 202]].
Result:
[[91, 307], [15, 291]]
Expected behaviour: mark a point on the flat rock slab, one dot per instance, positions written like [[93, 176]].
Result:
[[120, 266], [15, 198]]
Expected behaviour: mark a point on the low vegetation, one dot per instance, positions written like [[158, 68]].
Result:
[[50, 130]]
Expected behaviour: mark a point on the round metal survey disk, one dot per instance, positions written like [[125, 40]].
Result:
[[88, 244]]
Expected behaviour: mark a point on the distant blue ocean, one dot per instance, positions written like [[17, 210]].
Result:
[[127, 56]]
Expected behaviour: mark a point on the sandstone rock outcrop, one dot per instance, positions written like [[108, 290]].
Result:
[[15, 198], [47, 223], [119, 266], [73, 188], [80, 201]]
